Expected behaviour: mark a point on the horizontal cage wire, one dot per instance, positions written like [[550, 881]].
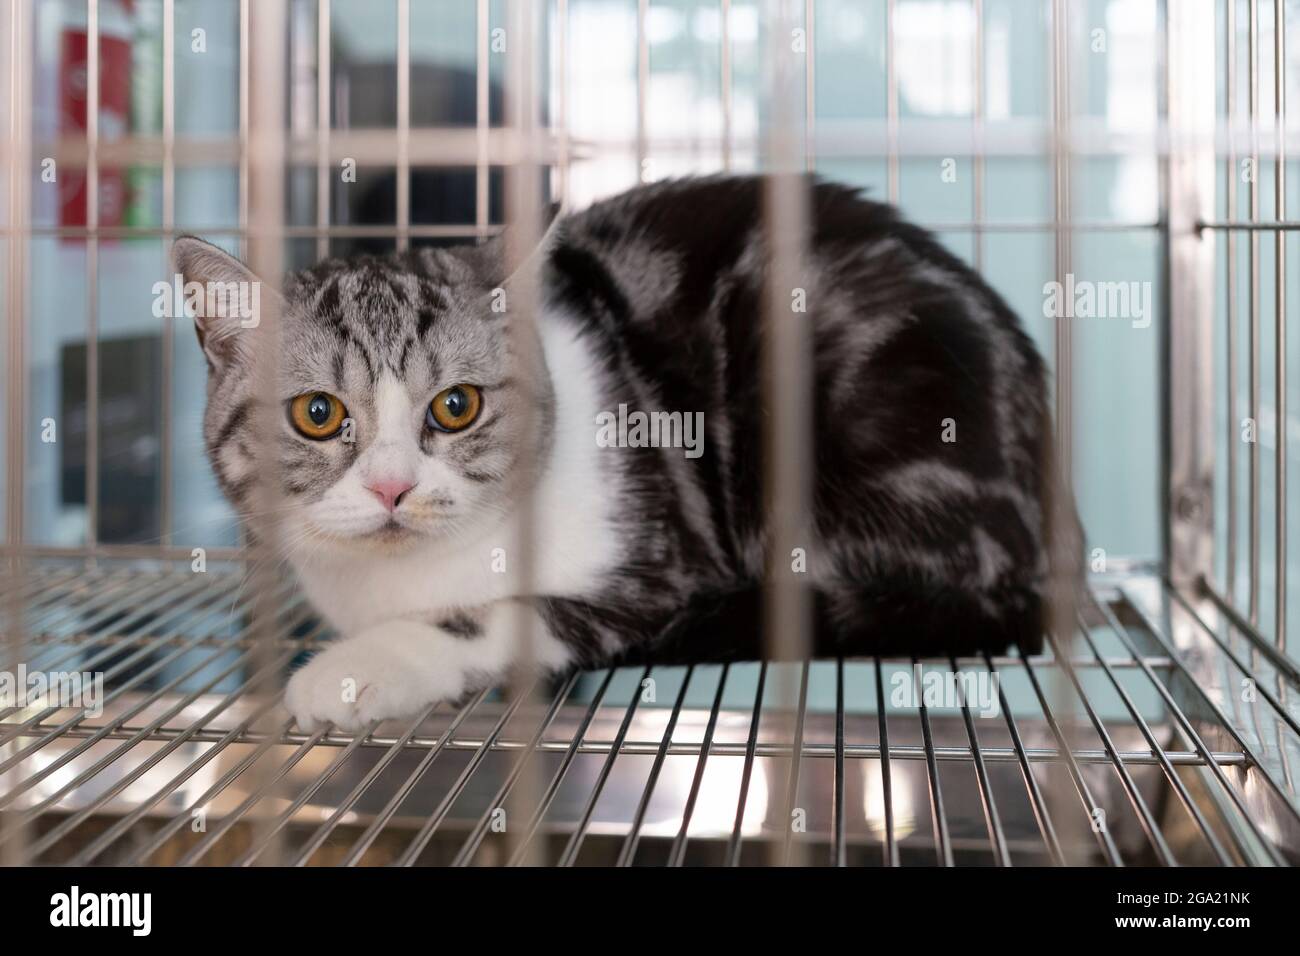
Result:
[[644, 765], [1158, 727]]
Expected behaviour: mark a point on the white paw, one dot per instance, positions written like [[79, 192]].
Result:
[[388, 672]]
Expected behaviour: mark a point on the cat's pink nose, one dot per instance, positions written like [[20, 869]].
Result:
[[390, 491]]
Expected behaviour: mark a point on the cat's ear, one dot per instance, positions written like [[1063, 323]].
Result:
[[224, 296]]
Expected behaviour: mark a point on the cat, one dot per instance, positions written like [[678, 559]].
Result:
[[411, 414]]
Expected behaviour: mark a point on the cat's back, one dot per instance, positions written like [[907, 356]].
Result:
[[672, 278], [929, 397], [660, 256]]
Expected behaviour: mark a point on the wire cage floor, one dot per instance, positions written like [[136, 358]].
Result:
[[1164, 735]]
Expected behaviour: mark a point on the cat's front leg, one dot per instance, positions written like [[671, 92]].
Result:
[[388, 670], [397, 668]]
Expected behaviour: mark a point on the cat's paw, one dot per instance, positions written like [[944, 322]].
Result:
[[388, 672]]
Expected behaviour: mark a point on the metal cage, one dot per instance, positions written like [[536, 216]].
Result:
[[1158, 727]]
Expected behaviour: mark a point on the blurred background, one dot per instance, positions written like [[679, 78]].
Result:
[[681, 126]]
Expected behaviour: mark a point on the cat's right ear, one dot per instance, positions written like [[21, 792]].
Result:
[[223, 295]]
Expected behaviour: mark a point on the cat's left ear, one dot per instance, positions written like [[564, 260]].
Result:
[[227, 299]]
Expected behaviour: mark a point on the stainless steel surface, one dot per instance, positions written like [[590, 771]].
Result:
[[185, 764]]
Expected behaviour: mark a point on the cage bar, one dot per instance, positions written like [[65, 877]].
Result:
[[1279, 340], [787, 374], [1230, 280], [403, 212], [1189, 182], [1254, 500], [324, 160], [267, 42]]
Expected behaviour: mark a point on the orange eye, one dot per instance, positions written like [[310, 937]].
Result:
[[317, 415], [454, 408]]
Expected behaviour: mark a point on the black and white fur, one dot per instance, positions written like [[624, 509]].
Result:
[[651, 299]]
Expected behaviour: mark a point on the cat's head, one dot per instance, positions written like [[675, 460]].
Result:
[[405, 405]]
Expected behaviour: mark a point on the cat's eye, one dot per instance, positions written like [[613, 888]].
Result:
[[317, 415], [454, 408]]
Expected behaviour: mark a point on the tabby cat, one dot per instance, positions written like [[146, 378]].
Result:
[[415, 423]]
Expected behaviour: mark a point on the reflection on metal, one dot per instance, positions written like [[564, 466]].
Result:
[[700, 774]]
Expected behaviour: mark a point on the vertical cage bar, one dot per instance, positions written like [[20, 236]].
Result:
[[1230, 352], [482, 114], [1063, 236], [522, 238], [13, 850], [810, 88], [891, 100], [1061, 602], [1252, 55], [403, 124], [243, 125], [977, 134], [18, 160], [642, 89], [92, 273], [560, 116], [169, 227], [725, 63], [787, 373], [324, 84], [266, 147], [1279, 346], [1189, 294]]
